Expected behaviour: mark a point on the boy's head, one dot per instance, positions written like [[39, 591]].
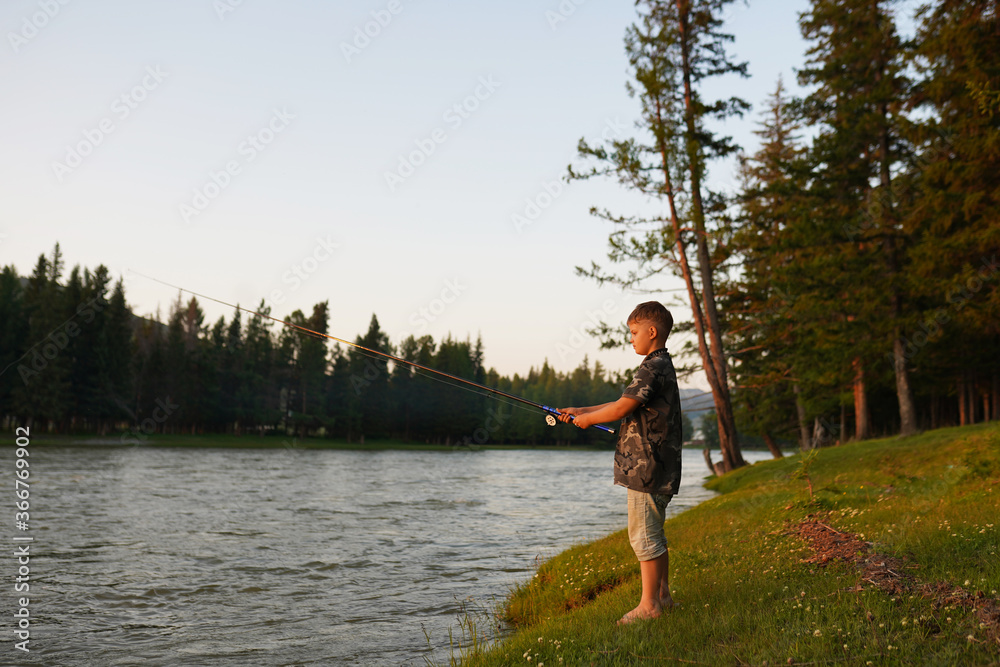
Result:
[[650, 324]]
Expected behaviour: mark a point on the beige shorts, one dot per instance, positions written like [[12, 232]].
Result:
[[646, 514]]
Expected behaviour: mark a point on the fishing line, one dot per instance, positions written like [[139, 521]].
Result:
[[418, 373], [551, 413], [498, 399], [488, 393]]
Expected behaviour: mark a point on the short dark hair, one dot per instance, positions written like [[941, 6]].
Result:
[[655, 312]]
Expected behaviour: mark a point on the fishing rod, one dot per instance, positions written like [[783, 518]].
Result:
[[551, 413]]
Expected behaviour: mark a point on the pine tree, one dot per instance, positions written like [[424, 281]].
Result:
[[233, 379], [304, 360], [369, 382], [674, 50], [263, 408], [149, 372], [759, 304], [956, 192], [117, 349], [312, 362], [215, 408], [181, 383], [459, 411], [856, 64], [13, 334], [43, 394]]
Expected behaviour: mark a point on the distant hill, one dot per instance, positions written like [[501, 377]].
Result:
[[695, 403]]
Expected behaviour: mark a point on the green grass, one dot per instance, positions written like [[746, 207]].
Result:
[[748, 598]]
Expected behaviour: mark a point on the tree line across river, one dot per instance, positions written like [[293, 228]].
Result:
[[77, 360]]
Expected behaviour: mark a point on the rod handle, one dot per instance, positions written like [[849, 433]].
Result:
[[600, 427]]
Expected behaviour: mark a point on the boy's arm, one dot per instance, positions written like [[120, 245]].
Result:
[[599, 414], [585, 410]]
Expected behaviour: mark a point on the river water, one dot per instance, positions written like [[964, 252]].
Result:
[[168, 556]]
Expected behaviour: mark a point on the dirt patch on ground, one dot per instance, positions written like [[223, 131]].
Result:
[[889, 574]]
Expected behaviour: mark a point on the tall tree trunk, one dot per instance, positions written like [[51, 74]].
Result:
[[715, 468], [696, 311], [935, 407], [962, 412], [861, 420], [699, 325], [728, 439], [970, 398], [843, 425], [904, 393], [772, 446], [800, 408], [996, 395], [819, 434], [715, 383]]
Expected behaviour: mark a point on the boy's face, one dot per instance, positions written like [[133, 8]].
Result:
[[643, 337]]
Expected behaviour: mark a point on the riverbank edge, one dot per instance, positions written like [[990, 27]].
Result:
[[756, 588]]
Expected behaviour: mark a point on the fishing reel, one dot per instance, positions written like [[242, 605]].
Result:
[[550, 420]]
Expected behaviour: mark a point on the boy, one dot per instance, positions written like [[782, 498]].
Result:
[[648, 455]]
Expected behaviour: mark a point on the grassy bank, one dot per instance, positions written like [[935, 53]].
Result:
[[922, 513]]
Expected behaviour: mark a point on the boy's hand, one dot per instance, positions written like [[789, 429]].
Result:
[[578, 416], [566, 414]]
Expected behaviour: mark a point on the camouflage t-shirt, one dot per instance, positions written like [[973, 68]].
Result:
[[648, 455]]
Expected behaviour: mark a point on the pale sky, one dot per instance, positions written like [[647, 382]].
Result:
[[241, 149]]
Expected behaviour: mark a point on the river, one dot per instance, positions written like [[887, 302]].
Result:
[[172, 556]]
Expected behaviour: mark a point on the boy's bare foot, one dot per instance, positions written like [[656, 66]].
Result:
[[639, 614], [666, 601]]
